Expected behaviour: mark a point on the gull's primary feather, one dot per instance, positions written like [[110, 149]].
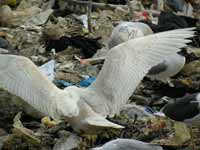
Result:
[[127, 64]]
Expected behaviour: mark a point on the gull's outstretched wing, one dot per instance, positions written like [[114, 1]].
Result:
[[127, 64], [20, 76]]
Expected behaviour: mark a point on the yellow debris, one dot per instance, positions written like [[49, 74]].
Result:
[[48, 122], [8, 2]]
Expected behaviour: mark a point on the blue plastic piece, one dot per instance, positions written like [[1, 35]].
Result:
[[87, 82], [63, 83], [149, 110]]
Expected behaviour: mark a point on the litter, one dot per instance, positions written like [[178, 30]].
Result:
[[48, 69]]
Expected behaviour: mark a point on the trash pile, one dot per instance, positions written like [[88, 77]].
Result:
[[69, 41]]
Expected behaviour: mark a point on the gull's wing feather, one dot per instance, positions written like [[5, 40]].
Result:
[[127, 64], [21, 77], [102, 122]]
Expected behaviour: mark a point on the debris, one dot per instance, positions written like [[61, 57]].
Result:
[[181, 6], [13, 18], [46, 121], [39, 19], [180, 137], [92, 61], [132, 110], [2, 140], [8, 2], [88, 46], [5, 44], [3, 51], [130, 8], [89, 11], [39, 59], [67, 141], [195, 51], [3, 137], [48, 69], [126, 31], [86, 82], [68, 76], [83, 19], [64, 27], [21, 131], [191, 68], [54, 35], [83, 83], [62, 83]]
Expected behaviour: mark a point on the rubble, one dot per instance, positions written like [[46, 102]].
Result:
[[55, 35]]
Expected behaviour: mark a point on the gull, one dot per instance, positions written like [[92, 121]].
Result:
[[86, 109], [128, 144], [168, 68], [185, 109]]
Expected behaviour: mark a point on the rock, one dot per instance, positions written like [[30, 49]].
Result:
[[3, 132], [8, 2], [63, 26], [16, 18], [5, 14], [137, 5], [2, 140], [5, 44], [179, 138], [10, 105], [40, 18], [41, 50], [191, 68], [19, 142], [27, 4], [27, 134], [133, 110], [3, 51], [67, 141], [67, 76], [21, 137], [3, 136], [121, 12], [196, 51], [25, 40], [39, 59], [88, 70], [69, 65]]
